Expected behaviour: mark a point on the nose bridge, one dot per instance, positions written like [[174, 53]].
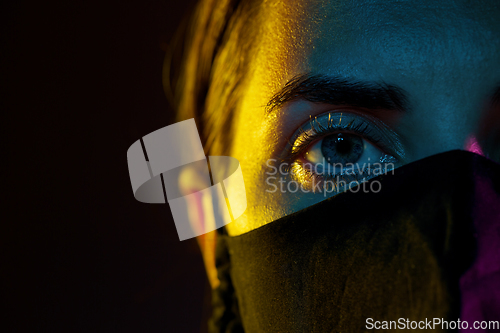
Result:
[[441, 122]]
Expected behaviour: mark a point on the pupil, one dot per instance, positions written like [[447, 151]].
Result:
[[342, 148]]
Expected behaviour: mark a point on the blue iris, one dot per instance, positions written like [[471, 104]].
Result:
[[342, 148]]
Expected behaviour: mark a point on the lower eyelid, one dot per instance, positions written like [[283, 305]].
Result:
[[310, 180]]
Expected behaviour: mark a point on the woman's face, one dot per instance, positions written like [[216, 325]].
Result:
[[386, 82]]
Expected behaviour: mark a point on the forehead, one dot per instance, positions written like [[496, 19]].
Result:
[[388, 40]]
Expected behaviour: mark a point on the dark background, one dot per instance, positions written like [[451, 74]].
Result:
[[81, 81]]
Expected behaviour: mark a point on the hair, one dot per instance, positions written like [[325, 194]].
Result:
[[206, 65]]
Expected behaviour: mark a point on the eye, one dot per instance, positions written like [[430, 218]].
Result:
[[343, 147], [342, 152]]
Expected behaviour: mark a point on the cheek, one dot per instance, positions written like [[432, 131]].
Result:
[[254, 145], [251, 149]]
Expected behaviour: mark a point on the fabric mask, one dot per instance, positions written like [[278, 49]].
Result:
[[426, 246]]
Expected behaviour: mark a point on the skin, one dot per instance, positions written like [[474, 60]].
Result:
[[444, 54]]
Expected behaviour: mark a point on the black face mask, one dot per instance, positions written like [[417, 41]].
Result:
[[426, 246]]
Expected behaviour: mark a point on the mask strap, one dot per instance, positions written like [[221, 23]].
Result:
[[225, 312]]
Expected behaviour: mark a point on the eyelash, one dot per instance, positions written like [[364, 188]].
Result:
[[305, 140]]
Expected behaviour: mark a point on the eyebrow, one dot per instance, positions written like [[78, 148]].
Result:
[[340, 91]]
